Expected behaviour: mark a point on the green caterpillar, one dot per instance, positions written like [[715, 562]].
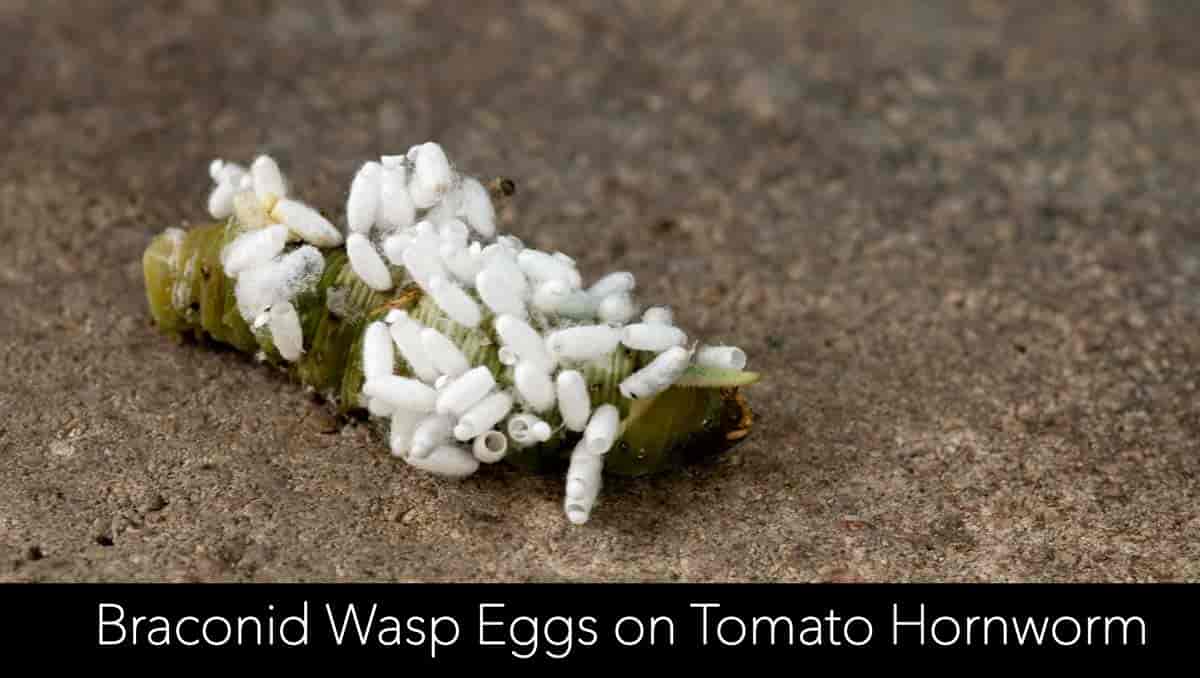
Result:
[[191, 295]]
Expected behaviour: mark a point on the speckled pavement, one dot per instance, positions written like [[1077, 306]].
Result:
[[960, 239]]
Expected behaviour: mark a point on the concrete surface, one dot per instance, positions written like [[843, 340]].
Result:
[[960, 238]]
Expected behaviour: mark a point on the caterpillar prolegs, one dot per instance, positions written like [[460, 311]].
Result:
[[498, 351]]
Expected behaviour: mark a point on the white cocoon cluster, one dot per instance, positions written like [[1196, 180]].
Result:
[[267, 179], [278, 280], [445, 354], [431, 432], [396, 208], [525, 341], [463, 393], [306, 222], [406, 332], [367, 263], [414, 211], [574, 402], [432, 175], [450, 461], [585, 342], [379, 356], [402, 392], [483, 416], [602, 429], [253, 248], [286, 332], [490, 447], [584, 477], [656, 377], [534, 385], [363, 204], [454, 302], [727, 357], [652, 337]]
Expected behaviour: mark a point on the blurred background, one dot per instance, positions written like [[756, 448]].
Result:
[[959, 238]]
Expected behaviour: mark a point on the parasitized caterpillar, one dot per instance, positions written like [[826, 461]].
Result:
[[464, 346]]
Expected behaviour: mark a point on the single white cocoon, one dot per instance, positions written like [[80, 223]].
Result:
[[507, 356], [658, 315], [267, 179], [490, 447], [307, 223], [423, 259], [652, 337], [379, 355], [496, 293], [584, 478], [220, 201], [483, 416], [394, 246], [525, 341], [406, 332], [477, 207], [450, 461], [454, 302], [602, 428], [445, 354], [286, 331], [464, 392], [396, 209], [250, 212], [402, 392], [378, 407], [432, 175], [540, 265], [465, 263], [431, 432], [613, 283], [453, 231], [534, 385], [500, 259], [550, 296], [616, 308], [362, 206], [404, 424], [574, 402], [367, 263], [585, 342], [253, 248], [656, 377], [527, 429], [727, 357]]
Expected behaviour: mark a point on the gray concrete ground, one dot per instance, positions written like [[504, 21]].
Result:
[[959, 238]]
